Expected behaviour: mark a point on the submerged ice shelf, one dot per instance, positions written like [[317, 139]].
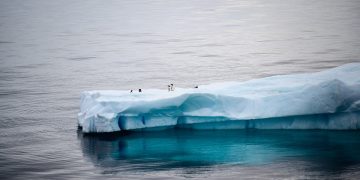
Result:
[[324, 100]]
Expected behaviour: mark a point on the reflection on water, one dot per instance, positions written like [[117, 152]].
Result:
[[51, 51], [317, 152]]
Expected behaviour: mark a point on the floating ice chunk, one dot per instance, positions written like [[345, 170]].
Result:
[[324, 100]]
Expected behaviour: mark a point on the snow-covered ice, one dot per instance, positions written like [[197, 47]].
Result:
[[324, 100]]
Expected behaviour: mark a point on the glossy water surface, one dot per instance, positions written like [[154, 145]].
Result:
[[227, 154], [50, 51]]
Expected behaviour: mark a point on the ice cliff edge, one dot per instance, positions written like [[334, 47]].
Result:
[[323, 100]]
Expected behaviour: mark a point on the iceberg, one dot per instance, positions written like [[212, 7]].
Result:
[[328, 99]]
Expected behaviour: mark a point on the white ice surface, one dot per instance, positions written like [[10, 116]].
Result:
[[324, 100]]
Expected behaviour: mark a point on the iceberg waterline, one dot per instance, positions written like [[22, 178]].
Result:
[[323, 100]]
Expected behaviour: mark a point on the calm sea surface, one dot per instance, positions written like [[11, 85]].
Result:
[[51, 51]]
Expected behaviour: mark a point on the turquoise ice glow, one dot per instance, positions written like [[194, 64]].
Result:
[[324, 100]]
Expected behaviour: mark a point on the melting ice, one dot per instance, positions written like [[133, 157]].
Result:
[[324, 100]]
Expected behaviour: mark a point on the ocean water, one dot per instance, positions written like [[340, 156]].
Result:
[[51, 51]]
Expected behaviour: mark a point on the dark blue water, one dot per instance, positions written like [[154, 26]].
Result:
[[51, 51]]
